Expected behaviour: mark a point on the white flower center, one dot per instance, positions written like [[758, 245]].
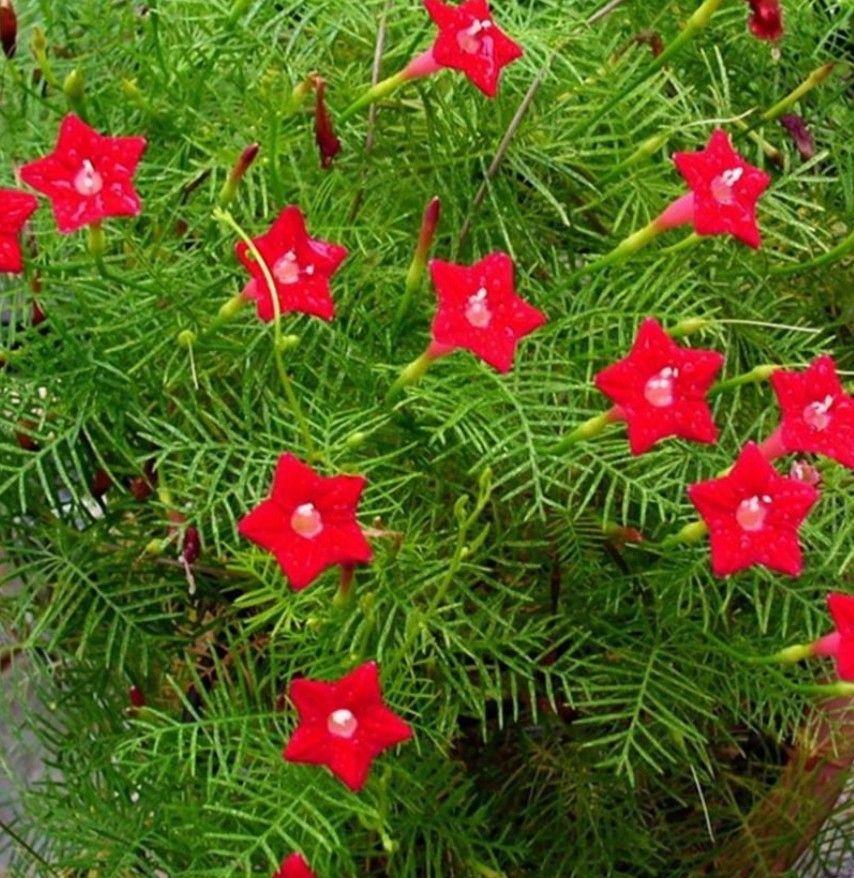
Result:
[[342, 723], [88, 181], [817, 414], [306, 521], [286, 269], [477, 310], [658, 391], [469, 39], [751, 513], [722, 185]]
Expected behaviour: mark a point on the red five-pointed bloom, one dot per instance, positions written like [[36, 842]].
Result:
[[300, 266], [344, 724], [766, 19], [479, 310], [294, 866], [660, 389], [88, 177], [309, 522], [725, 189], [817, 413], [753, 514], [840, 644], [15, 209], [469, 40]]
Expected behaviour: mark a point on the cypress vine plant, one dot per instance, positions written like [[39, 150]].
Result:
[[479, 589]]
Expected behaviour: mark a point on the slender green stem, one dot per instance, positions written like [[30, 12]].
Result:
[[839, 689], [634, 242], [413, 373], [377, 92], [279, 343], [841, 249], [590, 428], [754, 376], [695, 23], [815, 78], [688, 535]]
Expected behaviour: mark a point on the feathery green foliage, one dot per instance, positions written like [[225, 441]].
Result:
[[577, 712]]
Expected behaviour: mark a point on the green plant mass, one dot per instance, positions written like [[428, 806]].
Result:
[[274, 227]]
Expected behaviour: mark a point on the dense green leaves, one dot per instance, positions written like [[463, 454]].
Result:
[[575, 710]]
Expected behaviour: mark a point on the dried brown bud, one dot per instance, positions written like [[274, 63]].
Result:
[[800, 134], [100, 483]]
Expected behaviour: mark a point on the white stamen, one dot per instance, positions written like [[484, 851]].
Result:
[[722, 185], [751, 513], [477, 310], [306, 521], [817, 414], [87, 180], [286, 269], [469, 39], [342, 723], [658, 391]]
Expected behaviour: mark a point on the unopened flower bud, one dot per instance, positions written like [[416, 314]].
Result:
[[327, 142], [74, 87], [8, 28], [241, 166]]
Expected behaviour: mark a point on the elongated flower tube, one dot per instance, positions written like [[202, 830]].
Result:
[[469, 40], [724, 191], [838, 644]]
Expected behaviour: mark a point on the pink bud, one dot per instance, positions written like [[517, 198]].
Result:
[[8, 28], [328, 144]]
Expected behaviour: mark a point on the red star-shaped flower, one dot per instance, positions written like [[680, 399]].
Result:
[[817, 413], [660, 389], [479, 309], [766, 19], [301, 268], [88, 177], [469, 40], [309, 522], [725, 188], [15, 209], [840, 644], [294, 866], [344, 724], [754, 514]]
